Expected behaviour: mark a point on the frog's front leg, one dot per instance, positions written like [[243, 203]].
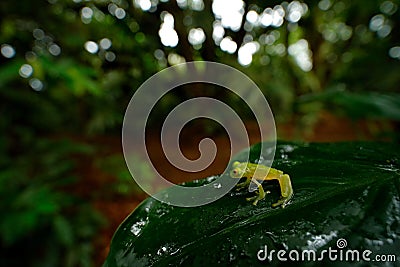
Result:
[[286, 190], [260, 194], [246, 183]]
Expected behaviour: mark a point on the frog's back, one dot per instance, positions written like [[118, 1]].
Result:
[[261, 172]]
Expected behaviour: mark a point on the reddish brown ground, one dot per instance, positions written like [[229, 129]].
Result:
[[328, 128]]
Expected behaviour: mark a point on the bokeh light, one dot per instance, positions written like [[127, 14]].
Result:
[[120, 13], [394, 52], [388, 7], [252, 17], [324, 5], [295, 11], [302, 54], [168, 35], [36, 84], [218, 32], [197, 5], [38, 34], [228, 45], [381, 25], [174, 59], [145, 5], [273, 16], [110, 56], [25, 71], [91, 47], [105, 43], [230, 12], [55, 49], [245, 53], [7, 51], [196, 36], [86, 15]]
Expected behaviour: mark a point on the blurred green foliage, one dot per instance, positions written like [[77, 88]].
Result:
[[71, 66], [88, 57], [43, 223], [115, 165]]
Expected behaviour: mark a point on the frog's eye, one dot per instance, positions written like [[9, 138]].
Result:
[[235, 172]]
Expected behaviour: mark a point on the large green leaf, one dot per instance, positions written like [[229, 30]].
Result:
[[341, 190]]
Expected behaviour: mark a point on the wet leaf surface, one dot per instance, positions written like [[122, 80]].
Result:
[[341, 190]]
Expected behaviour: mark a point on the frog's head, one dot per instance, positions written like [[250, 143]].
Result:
[[238, 169]]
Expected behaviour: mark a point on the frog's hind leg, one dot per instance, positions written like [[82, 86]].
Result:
[[286, 191]]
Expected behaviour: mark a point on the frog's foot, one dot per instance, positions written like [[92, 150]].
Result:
[[281, 202], [255, 198], [260, 195]]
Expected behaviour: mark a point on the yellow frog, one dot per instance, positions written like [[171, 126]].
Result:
[[254, 172]]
